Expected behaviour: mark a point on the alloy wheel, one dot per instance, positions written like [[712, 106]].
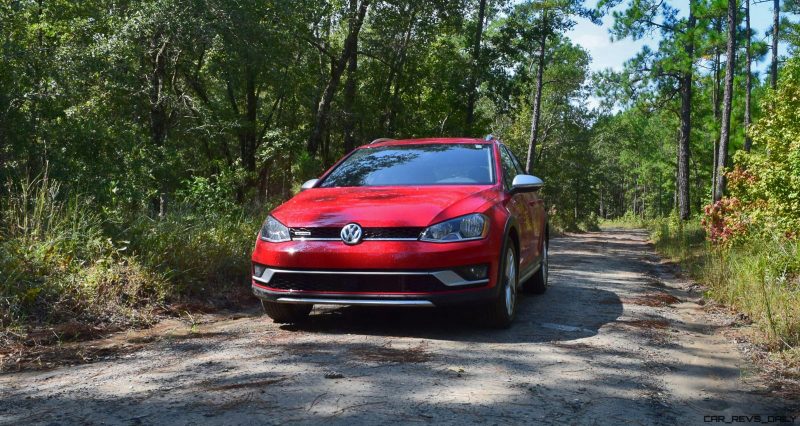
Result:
[[545, 264], [510, 284]]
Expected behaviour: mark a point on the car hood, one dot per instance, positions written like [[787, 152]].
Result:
[[383, 206]]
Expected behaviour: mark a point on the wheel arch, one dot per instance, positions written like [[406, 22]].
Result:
[[512, 232]]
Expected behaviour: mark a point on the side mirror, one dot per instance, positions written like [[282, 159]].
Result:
[[309, 184], [526, 183]]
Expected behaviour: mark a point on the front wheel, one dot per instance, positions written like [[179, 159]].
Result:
[[503, 309], [284, 313]]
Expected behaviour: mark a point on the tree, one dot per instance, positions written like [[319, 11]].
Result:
[[748, 78], [776, 24], [350, 89], [673, 62], [476, 65], [350, 47], [727, 101], [532, 24]]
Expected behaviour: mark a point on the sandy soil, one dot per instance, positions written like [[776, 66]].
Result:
[[616, 339]]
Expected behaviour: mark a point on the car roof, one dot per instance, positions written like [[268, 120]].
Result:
[[427, 141]]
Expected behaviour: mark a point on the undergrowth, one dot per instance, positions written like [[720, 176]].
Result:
[[758, 276], [61, 261]]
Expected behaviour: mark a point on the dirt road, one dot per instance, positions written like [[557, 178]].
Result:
[[616, 339]]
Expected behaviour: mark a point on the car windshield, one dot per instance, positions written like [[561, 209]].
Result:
[[409, 165]]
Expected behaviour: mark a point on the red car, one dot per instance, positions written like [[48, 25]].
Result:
[[418, 222]]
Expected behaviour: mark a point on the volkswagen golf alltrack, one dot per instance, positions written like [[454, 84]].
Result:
[[422, 222]]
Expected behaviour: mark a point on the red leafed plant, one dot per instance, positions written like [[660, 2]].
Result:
[[724, 222]]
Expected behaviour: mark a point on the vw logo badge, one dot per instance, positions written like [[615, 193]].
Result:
[[351, 234]]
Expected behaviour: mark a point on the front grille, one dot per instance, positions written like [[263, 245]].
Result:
[[357, 283], [369, 233], [392, 232]]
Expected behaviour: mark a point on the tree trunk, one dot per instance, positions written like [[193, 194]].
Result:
[[715, 99], [247, 133], [349, 103], [537, 101], [776, 23], [686, 124], [748, 142], [350, 87], [319, 126], [715, 95], [714, 169], [392, 90], [727, 98], [476, 57], [159, 118]]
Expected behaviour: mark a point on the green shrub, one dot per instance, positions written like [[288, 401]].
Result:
[[200, 253], [61, 261], [759, 275], [57, 264]]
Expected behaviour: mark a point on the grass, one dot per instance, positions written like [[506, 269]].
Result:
[[57, 265], [759, 277], [61, 262], [628, 221], [201, 255]]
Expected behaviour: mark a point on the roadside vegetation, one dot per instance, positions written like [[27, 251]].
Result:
[[62, 261], [744, 248]]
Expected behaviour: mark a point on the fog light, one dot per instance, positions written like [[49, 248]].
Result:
[[258, 270], [474, 272]]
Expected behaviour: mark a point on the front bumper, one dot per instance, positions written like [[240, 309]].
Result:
[[402, 273], [376, 255]]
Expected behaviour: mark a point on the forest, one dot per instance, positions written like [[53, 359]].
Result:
[[142, 142]]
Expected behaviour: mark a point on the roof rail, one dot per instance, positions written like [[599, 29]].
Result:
[[490, 137], [379, 140]]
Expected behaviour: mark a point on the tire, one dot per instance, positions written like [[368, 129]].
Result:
[[537, 284], [502, 310], [284, 313]]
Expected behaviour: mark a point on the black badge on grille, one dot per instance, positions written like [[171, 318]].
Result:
[[351, 234]]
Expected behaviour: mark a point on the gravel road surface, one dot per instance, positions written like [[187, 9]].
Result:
[[617, 338]]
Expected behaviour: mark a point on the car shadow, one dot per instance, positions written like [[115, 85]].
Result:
[[539, 319], [581, 299]]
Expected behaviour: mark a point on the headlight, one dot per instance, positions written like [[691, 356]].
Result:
[[469, 227], [274, 231]]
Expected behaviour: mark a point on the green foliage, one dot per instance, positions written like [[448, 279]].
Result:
[[56, 263], [60, 261], [767, 181], [760, 278], [200, 254]]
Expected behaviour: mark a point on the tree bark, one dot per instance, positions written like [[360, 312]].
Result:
[[350, 87], [686, 123], [392, 88], [727, 97], [715, 99], [349, 103], [319, 126], [537, 101], [476, 58], [776, 23], [715, 95], [748, 142], [159, 118], [247, 133]]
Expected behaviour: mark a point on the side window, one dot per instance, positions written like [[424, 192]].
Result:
[[509, 170], [517, 164]]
